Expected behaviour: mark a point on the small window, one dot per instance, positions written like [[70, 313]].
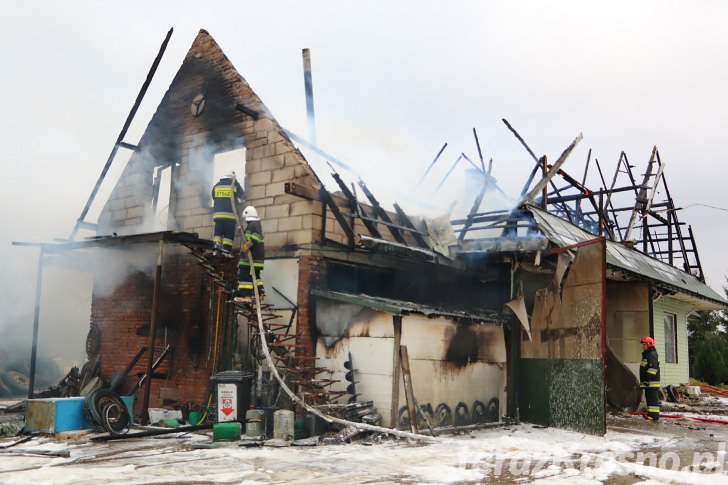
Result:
[[670, 338], [161, 191]]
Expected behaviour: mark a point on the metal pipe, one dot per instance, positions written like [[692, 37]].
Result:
[[308, 86], [152, 325], [36, 319]]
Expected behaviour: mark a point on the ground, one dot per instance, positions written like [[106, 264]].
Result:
[[633, 451]]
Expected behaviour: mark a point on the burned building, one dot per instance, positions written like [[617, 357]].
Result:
[[516, 324], [343, 277]]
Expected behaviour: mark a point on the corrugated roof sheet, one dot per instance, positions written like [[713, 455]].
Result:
[[563, 233], [398, 307]]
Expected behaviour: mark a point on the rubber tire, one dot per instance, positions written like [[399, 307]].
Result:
[[16, 381], [94, 407]]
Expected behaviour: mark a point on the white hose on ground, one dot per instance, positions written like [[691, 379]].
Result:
[[274, 370], [299, 401]]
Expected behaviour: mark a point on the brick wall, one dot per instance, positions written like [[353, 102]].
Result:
[[175, 136], [188, 143], [311, 271], [183, 309]]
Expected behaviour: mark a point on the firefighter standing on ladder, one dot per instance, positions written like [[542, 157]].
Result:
[[223, 194], [254, 243], [650, 377]]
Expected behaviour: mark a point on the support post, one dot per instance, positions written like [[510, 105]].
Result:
[[36, 320], [408, 391], [152, 329], [397, 322]]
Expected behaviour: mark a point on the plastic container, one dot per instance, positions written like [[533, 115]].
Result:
[[298, 429], [254, 421], [283, 424], [226, 431], [232, 395], [313, 425], [194, 417]]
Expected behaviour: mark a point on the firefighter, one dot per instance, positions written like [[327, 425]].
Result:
[[650, 377], [254, 243], [223, 194]]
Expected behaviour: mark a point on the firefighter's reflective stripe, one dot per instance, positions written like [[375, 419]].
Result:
[[652, 409], [227, 242], [254, 237], [223, 215], [256, 264], [260, 284], [645, 385], [246, 285], [652, 371], [643, 363]]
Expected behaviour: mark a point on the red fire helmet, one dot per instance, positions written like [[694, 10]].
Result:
[[648, 340]]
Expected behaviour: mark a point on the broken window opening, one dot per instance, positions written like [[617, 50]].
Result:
[[161, 191], [227, 162], [670, 321]]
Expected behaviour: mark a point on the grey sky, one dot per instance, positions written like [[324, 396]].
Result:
[[393, 81]]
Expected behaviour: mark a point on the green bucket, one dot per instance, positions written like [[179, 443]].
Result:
[[194, 417], [226, 431]]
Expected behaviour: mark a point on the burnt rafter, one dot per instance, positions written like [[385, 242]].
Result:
[[355, 207], [382, 214], [250, 112], [329, 201], [653, 228]]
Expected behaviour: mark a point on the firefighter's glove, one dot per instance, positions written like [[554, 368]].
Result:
[[246, 247]]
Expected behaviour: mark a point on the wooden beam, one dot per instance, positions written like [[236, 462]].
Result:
[[397, 322], [408, 391]]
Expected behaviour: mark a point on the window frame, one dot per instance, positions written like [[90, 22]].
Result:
[[666, 320]]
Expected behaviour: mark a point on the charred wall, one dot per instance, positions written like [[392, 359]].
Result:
[[457, 367], [189, 142], [561, 369], [123, 318], [422, 283]]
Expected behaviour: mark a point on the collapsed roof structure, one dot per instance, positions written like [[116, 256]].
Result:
[[503, 312]]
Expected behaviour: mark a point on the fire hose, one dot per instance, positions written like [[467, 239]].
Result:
[[299, 401], [680, 416], [291, 394]]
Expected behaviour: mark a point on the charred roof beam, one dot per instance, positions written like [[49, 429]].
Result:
[[250, 112]]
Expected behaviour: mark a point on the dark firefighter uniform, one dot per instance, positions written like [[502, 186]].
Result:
[[256, 245], [650, 381], [223, 216]]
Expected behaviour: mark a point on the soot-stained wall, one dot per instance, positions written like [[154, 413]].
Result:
[[561, 370], [458, 367]]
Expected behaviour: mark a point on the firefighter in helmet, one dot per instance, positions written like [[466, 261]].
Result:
[[254, 243], [226, 192], [650, 377]]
